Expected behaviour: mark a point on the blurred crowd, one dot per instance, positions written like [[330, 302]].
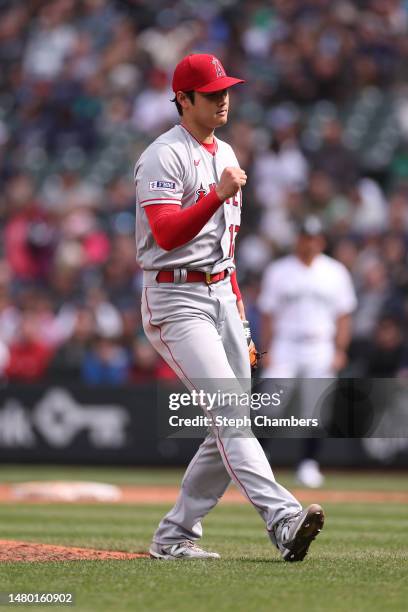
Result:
[[321, 126]]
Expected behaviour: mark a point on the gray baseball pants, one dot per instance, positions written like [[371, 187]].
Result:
[[196, 328]]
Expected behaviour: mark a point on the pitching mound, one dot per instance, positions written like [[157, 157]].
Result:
[[15, 551], [66, 491]]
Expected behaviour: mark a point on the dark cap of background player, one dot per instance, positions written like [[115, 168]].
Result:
[[311, 226], [203, 73]]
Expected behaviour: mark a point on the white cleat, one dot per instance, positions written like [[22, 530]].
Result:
[[309, 475], [295, 533], [181, 550]]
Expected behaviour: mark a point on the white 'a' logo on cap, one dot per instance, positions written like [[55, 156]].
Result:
[[218, 68]]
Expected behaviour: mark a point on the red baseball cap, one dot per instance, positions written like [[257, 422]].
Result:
[[201, 72]]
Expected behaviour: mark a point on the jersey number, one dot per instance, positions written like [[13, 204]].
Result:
[[233, 230]]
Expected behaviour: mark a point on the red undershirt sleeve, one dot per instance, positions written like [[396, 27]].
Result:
[[172, 226], [235, 287]]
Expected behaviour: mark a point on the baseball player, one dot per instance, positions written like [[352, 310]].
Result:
[[189, 200], [306, 303]]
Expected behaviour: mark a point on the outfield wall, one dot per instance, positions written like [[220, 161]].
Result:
[[108, 425]]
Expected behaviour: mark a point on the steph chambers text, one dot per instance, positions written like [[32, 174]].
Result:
[[258, 421]]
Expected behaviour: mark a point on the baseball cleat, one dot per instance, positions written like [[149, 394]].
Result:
[[295, 533], [181, 550]]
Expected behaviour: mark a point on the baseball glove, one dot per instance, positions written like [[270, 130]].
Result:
[[254, 355]]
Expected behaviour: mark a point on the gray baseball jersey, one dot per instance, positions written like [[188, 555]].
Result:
[[177, 169]]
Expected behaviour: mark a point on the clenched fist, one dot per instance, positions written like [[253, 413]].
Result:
[[232, 179]]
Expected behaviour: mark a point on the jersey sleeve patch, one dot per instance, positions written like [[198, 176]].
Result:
[[160, 161], [162, 186]]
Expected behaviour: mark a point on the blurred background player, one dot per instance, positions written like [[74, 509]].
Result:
[[306, 302]]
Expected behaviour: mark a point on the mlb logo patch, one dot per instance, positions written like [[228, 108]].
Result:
[[162, 186]]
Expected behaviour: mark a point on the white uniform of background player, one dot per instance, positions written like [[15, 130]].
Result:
[[306, 300], [196, 326]]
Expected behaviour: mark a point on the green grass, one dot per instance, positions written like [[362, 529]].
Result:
[[351, 480], [358, 563]]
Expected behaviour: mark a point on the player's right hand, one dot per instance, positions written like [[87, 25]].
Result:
[[232, 179]]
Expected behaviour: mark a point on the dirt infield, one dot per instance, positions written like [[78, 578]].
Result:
[[15, 551], [168, 495], [152, 495]]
